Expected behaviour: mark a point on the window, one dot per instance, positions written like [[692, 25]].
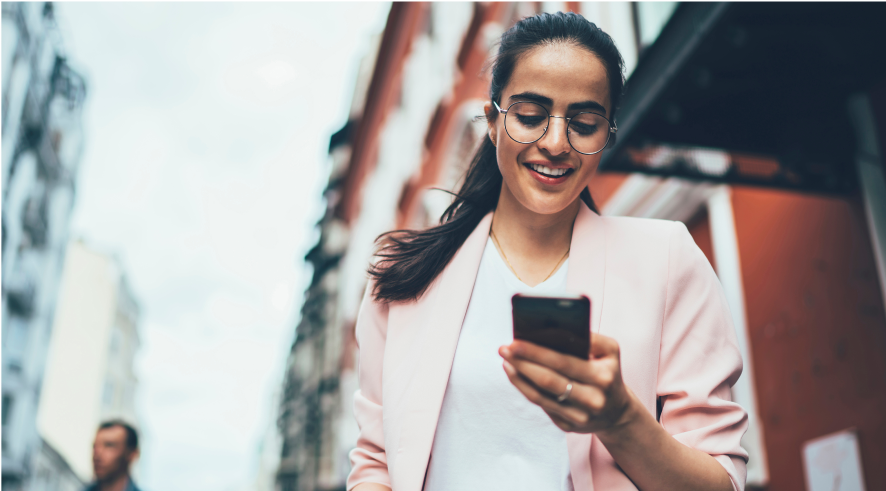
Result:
[[7, 406], [3, 234], [17, 342], [115, 341]]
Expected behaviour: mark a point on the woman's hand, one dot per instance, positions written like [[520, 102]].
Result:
[[599, 400], [601, 403]]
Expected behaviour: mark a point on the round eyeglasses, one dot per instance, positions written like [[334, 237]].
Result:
[[527, 122]]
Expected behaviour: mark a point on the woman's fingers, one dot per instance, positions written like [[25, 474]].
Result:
[[561, 423], [588, 398], [573, 415], [551, 382], [570, 366], [603, 346], [600, 371], [542, 375]]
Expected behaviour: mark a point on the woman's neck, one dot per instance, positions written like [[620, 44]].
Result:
[[532, 243]]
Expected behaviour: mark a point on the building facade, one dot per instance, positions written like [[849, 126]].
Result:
[[89, 374], [715, 130], [51, 472], [42, 141]]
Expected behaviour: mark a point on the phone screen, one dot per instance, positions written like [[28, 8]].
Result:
[[559, 323]]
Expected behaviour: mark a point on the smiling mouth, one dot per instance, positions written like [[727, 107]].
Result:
[[549, 172]]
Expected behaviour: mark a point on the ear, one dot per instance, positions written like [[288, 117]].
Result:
[[491, 119], [133, 456]]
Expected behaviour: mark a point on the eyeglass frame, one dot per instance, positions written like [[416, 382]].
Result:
[[612, 127]]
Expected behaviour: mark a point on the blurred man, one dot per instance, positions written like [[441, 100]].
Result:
[[114, 451]]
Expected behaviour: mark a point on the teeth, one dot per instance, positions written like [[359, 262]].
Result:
[[547, 170]]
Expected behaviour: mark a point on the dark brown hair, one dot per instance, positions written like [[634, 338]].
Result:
[[131, 434], [409, 260]]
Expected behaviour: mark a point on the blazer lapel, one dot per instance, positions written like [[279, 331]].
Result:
[[447, 304], [586, 276], [587, 261]]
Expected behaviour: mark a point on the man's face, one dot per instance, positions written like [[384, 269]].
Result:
[[110, 456]]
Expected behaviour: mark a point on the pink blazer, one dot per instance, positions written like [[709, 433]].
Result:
[[651, 288]]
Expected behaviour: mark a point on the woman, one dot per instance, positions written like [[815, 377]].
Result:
[[439, 409]]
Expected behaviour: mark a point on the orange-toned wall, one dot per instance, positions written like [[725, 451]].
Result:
[[817, 326], [604, 185], [700, 228]]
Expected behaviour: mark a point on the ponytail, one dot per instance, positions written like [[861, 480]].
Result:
[[409, 260]]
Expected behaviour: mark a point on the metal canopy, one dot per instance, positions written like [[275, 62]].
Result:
[[752, 93]]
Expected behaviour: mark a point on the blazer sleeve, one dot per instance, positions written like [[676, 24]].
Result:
[[700, 360], [368, 458]]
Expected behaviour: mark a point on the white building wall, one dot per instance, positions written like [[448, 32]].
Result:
[[89, 375], [46, 475]]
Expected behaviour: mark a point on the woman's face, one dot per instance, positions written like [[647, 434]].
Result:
[[566, 80]]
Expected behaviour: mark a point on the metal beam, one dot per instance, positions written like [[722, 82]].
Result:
[[659, 64]]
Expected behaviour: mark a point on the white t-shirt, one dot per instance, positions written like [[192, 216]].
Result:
[[489, 436]]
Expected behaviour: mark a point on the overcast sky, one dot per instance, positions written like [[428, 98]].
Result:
[[206, 134]]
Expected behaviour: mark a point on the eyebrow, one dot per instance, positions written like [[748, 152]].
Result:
[[533, 97]]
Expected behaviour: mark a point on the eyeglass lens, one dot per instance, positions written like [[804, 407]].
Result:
[[526, 122]]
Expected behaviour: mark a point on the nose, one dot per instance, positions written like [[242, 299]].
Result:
[[555, 141]]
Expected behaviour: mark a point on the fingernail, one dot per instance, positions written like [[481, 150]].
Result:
[[508, 368], [504, 351]]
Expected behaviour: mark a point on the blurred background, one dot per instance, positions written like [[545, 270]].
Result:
[[191, 194]]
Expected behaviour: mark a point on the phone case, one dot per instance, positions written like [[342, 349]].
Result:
[[559, 323]]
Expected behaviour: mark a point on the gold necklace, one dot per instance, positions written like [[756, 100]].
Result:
[[505, 257]]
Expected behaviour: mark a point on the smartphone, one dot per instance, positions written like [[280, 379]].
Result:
[[560, 323]]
